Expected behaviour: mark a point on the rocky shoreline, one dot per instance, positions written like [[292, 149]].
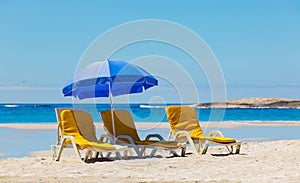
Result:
[[253, 103]]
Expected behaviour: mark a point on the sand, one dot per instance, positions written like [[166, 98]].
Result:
[[275, 161], [269, 161]]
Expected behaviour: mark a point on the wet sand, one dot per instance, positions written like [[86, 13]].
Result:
[[147, 125]]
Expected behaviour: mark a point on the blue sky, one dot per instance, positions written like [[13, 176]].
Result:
[[257, 43]]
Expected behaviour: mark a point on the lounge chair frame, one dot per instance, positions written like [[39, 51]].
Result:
[[90, 152], [205, 142], [140, 150]]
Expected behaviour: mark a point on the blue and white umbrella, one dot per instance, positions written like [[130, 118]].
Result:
[[99, 79], [109, 78]]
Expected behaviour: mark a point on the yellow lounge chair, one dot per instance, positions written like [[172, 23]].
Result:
[[59, 131], [184, 124], [126, 134], [78, 130]]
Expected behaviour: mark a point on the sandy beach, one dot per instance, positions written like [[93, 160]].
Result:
[[267, 161], [275, 161]]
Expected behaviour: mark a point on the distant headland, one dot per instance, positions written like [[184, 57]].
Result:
[[253, 103]]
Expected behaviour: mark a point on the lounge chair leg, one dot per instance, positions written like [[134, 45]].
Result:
[[108, 155], [53, 152], [205, 148], [183, 152], [139, 154], [174, 153], [229, 150], [143, 151], [188, 140], [199, 147], [118, 155], [192, 144], [130, 152], [59, 153], [153, 152], [60, 149], [125, 154], [238, 148], [87, 155], [76, 149], [99, 154]]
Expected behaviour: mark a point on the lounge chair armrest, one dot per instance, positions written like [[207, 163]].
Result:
[[65, 137], [68, 137], [125, 137], [105, 138], [185, 133], [155, 136], [216, 133]]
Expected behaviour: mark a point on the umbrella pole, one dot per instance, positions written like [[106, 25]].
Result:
[[112, 113]]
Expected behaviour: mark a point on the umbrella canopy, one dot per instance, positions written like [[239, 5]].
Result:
[[99, 79], [109, 78]]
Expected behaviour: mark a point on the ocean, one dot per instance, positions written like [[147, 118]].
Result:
[[45, 113]]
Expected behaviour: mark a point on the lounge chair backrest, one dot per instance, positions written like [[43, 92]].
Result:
[[184, 118], [69, 128], [58, 118], [59, 110], [85, 124], [124, 124]]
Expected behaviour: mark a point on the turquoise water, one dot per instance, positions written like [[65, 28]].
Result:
[[37, 113], [19, 143]]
